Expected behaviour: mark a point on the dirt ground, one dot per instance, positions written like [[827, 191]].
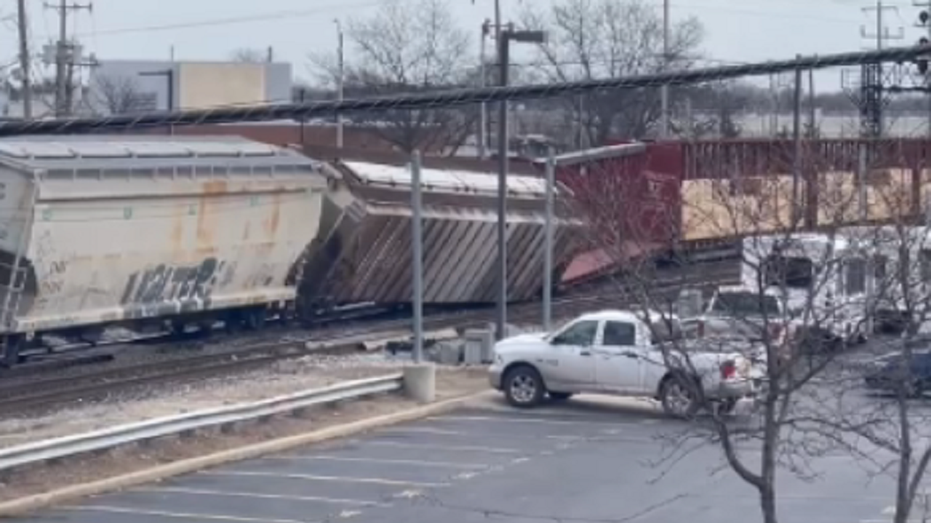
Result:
[[286, 377]]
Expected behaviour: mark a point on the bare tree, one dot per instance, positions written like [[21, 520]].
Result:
[[249, 55], [406, 46], [895, 428], [779, 313], [588, 39], [117, 94]]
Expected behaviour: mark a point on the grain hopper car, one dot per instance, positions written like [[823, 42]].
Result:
[[99, 231]]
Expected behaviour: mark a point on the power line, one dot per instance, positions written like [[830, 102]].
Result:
[[449, 98], [232, 20], [300, 13]]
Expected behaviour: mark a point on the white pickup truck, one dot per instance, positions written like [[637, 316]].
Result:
[[615, 352]]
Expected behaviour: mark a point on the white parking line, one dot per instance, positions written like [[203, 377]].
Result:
[[223, 493], [311, 477], [525, 419], [425, 430], [399, 444], [459, 433], [412, 462], [178, 515]]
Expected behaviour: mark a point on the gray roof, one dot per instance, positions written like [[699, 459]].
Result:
[[107, 152]]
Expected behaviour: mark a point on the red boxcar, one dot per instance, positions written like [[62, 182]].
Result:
[[698, 196]]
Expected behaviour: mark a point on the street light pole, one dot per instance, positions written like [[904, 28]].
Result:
[[503, 59], [417, 254], [569, 160], [548, 241], [483, 108], [504, 41]]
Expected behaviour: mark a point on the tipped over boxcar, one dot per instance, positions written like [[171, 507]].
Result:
[[365, 257], [104, 230]]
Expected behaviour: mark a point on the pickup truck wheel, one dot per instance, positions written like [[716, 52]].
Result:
[[523, 387], [678, 398], [560, 396]]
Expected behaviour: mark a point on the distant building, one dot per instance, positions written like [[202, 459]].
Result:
[[130, 86]]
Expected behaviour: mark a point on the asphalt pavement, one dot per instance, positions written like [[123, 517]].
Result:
[[589, 460]]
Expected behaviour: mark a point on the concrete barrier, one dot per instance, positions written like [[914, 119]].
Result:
[[420, 382]]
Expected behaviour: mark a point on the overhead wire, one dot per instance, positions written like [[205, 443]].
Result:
[[451, 97], [244, 19]]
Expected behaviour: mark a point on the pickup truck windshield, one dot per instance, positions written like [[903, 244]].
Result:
[[745, 304]]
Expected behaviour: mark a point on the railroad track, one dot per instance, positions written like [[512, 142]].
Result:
[[30, 394]]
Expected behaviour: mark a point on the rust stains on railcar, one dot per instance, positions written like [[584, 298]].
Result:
[[207, 214], [271, 223]]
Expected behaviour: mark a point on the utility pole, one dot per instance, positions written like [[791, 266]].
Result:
[[66, 55], [664, 90], [341, 67], [24, 60], [871, 89]]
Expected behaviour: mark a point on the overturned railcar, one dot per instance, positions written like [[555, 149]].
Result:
[[364, 254], [133, 231]]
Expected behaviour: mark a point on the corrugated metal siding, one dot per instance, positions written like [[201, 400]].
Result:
[[371, 248]]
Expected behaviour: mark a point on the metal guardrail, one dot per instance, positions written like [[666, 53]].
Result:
[[105, 439]]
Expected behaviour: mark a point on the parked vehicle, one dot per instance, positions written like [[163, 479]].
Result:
[[739, 311], [743, 315], [621, 353], [895, 373], [821, 279], [890, 243]]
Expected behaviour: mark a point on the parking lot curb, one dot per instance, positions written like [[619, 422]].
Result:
[[25, 505]]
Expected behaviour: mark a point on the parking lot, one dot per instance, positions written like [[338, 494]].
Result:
[[587, 460]]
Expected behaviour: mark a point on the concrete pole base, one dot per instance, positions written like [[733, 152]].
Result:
[[420, 382]]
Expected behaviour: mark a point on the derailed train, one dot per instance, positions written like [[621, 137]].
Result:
[[147, 232]]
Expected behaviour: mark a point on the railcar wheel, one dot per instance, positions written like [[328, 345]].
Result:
[[254, 319], [12, 345]]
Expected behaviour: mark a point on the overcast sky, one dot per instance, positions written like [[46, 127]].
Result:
[[748, 30]]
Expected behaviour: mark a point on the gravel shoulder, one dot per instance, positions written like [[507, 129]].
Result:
[[280, 379]]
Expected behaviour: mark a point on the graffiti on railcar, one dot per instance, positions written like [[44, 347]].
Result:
[[167, 289]]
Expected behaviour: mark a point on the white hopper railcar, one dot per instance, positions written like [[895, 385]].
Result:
[[135, 230]]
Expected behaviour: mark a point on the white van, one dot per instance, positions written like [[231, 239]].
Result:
[[831, 270], [888, 242]]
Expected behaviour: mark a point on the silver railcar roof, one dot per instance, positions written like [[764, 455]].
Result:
[[142, 152]]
